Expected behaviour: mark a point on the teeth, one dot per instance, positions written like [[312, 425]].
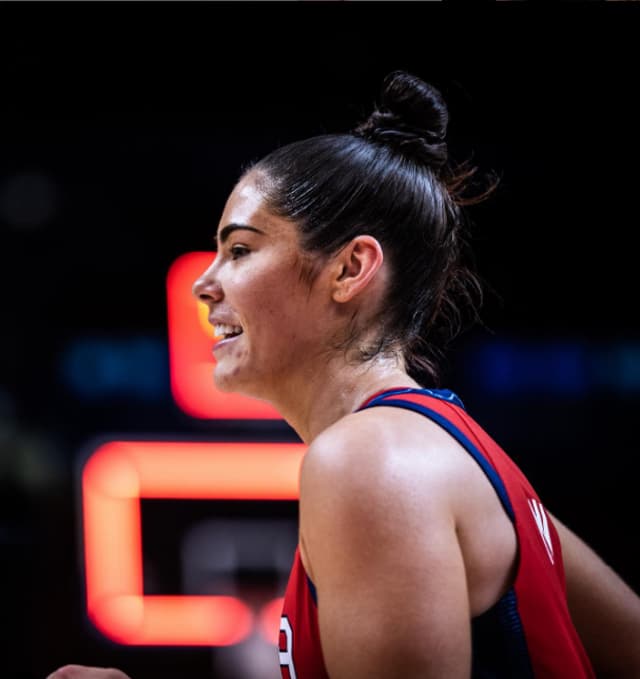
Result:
[[222, 329]]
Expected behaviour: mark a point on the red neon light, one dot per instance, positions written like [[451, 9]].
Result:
[[269, 622], [114, 479], [190, 350]]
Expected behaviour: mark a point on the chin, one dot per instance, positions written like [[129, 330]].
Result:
[[223, 382], [231, 383]]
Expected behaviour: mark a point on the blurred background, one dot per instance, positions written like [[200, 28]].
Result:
[[123, 126]]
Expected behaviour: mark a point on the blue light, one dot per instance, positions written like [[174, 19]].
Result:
[[562, 368], [104, 368]]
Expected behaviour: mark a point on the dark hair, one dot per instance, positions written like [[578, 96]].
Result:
[[389, 178]]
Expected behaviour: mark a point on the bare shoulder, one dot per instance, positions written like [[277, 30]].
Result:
[[373, 471], [384, 449], [85, 672], [375, 516], [380, 469]]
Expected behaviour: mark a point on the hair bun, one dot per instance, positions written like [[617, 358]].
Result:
[[412, 117]]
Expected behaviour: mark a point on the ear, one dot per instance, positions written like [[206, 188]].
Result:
[[356, 265]]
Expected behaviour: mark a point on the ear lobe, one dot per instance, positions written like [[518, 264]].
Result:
[[358, 263]]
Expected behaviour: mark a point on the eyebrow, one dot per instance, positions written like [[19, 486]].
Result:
[[227, 230]]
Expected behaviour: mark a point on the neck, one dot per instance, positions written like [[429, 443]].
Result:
[[310, 403]]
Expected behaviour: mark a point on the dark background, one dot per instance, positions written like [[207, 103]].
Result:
[[122, 129]]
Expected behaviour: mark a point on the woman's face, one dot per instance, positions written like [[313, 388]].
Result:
[[272, 320]]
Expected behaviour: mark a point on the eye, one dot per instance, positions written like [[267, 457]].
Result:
[[238, 251]]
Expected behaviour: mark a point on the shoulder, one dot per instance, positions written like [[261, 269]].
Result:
[[381, 447], [373, 471], [375, 511]]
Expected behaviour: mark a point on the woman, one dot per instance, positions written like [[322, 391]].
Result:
[[423, 551]]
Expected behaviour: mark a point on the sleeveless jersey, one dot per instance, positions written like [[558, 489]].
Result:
[[528, 633]]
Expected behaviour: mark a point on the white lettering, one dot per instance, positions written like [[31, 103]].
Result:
[[540, 517], [286, 656]]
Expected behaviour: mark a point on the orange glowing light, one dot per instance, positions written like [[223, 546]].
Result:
[[114, 479], [191, 361], [269, 622]]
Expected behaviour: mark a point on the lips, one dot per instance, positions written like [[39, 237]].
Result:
[[224, 341]]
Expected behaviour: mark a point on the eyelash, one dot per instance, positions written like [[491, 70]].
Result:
[[238, 251]]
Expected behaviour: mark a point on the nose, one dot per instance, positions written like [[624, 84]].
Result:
[[207, 288]]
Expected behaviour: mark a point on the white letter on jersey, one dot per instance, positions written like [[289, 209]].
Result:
[[542, 523], [286, 656]]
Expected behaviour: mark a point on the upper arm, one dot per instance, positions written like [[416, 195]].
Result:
[[604, 610], [386, 563]]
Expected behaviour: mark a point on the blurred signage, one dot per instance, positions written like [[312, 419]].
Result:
[[115, 478]]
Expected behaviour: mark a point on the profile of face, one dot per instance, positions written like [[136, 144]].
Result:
[[271, 320]]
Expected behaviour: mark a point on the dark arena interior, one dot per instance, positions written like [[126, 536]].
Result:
[[123, 126]]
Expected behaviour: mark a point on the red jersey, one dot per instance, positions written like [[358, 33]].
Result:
[[528, 633]]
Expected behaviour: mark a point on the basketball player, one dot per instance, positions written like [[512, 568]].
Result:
[[424, 552]]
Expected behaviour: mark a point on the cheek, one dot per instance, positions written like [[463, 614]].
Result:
[[271, 298], [283, 307]]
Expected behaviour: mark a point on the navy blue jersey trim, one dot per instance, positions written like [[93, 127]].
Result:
[[517, 644], [312, 589], [499, 645], [442, 394], [471, 448]]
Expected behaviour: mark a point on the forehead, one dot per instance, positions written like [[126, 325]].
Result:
[[246, 205]]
